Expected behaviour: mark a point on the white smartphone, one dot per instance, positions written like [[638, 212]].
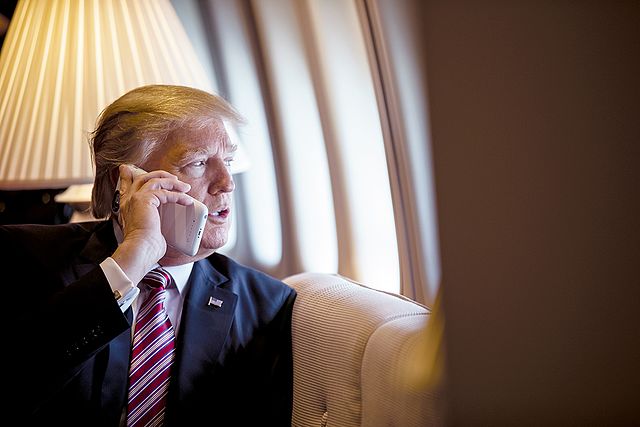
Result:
[[181, 226]]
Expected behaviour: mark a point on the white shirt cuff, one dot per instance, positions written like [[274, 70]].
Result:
[[123, 289]]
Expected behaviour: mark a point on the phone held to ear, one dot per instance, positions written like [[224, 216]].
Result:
[[181, 226]]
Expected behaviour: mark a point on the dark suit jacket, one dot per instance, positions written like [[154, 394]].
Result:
[[69, 343]]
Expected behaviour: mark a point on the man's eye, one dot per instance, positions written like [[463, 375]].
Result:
[[198, 164], [228, 161]]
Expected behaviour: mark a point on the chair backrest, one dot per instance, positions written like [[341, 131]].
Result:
[[356, 352]]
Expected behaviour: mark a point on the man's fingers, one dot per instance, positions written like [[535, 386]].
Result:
[[133, 179], [166, 196], [161, 196], [166, 183], [126, 178]]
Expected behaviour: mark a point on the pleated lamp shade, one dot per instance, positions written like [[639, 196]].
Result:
[[63, 62]]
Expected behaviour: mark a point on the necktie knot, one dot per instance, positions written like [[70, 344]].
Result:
[[158, 278]]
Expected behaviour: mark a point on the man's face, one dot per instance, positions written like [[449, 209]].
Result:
[[202, 158]]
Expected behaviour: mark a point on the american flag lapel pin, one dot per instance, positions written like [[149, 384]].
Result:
[[215, 302]]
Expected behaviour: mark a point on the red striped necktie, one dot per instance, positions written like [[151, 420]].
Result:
[[152, 355]]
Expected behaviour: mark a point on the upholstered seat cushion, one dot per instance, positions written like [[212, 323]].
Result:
[[354, 354]]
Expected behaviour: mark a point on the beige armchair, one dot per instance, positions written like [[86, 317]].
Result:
[[359, 356]]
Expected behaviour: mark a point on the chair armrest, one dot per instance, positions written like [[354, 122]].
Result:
[[352, 349]]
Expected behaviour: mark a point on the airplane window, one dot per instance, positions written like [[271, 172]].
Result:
[[365, 216], [257, 194], [338, 137], [395, 37], [304, 164]]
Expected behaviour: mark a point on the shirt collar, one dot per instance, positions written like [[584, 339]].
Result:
[[180, 274]]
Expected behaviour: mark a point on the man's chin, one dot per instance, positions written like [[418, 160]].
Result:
[[214, 241]]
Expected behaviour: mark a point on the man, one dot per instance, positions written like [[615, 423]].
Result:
[[225, 328]]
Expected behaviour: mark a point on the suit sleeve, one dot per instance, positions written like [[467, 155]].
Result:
[[54, 326]]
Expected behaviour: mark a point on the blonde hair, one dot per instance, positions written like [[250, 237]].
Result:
[[136, 124]]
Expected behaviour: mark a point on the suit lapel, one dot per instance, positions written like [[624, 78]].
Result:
[[204, 327]]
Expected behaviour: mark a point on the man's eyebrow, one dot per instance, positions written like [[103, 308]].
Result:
[[190, 154], [230, 147]]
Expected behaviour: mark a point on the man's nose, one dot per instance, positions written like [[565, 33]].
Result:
[[222, 181]]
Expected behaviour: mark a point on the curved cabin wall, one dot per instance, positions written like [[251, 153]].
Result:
[[535, 130]]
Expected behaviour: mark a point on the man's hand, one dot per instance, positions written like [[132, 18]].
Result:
[[141, 194]]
